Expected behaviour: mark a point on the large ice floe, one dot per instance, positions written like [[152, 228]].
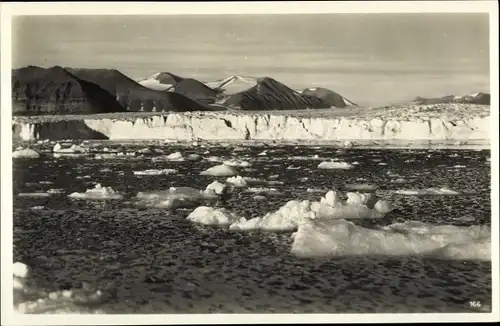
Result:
[[328, 237], [331, 206], [28, 298], [98, 192], [181, 197], [25, 153], [222, 170]]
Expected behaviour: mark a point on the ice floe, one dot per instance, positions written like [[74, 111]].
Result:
[[328, 237], [221, 170], [212, 216], [156, 172], [331, 206], [180, 197], [237, 181], [360, 187], [335, 165], [194, 157], [98, 192], [25, 153], [236, 163], [33, 194], [216, 188], [428, 192], [72, 150], [177, 156]]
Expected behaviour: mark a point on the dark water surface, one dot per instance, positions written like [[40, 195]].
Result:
[[153, 260]]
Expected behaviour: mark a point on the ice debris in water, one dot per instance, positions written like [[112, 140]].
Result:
[[156, 172], [348, 144], [222, 170], [329, 237], [236, 163], [73, 149], [427, 192], [25, 153], [180, 197], [30, 299], [237, 181], [216, 187], [177, 156], [33, 194], [99, 192], [211, 216], [335, 165], [360, 187], [331, 206], [194, 157]]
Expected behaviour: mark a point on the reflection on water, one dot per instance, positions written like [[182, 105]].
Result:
[[154, 260]]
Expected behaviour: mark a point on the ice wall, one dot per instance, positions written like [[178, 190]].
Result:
[[237, 126]]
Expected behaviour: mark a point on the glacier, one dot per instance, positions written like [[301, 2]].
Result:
[[424, 122]]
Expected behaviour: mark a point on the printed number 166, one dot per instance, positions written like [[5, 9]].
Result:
[[475, 304]]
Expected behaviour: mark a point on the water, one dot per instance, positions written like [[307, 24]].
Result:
[[152, 260], [372, 59]]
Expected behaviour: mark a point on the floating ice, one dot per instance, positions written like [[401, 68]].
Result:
[[348, 144], [55, 191], [329, 237], [215, 187], [179, 197], [237, 181], [360, 187], [25, 153], [99, 192], [236, 163], [335, 165], [211, 216], [33, 194], [73, 149], [156, 172], [221, 170], [177, 156], [20, 270], [194, 157], [268, 191], [264, 153], [296, 212], [29, 299], [427, 192]]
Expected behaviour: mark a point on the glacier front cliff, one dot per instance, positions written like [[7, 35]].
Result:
[[414, 123]]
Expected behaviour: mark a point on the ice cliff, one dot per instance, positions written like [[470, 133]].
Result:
[[467, 122]]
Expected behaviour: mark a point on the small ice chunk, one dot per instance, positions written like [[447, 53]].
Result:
[[20, 270], [99, 192], [221, 170], [194, 157], [33, 194], [360, 187], [217, 187], [211, 216], [25, 153], [236, 163], [156, 172], [237, 181], [335, 165], [383, 207], [348, 144], [177, 156]]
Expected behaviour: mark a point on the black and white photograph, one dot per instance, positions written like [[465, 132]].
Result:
[[253, 161]]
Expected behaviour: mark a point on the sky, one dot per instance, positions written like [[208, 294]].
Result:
[[371, 59]]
